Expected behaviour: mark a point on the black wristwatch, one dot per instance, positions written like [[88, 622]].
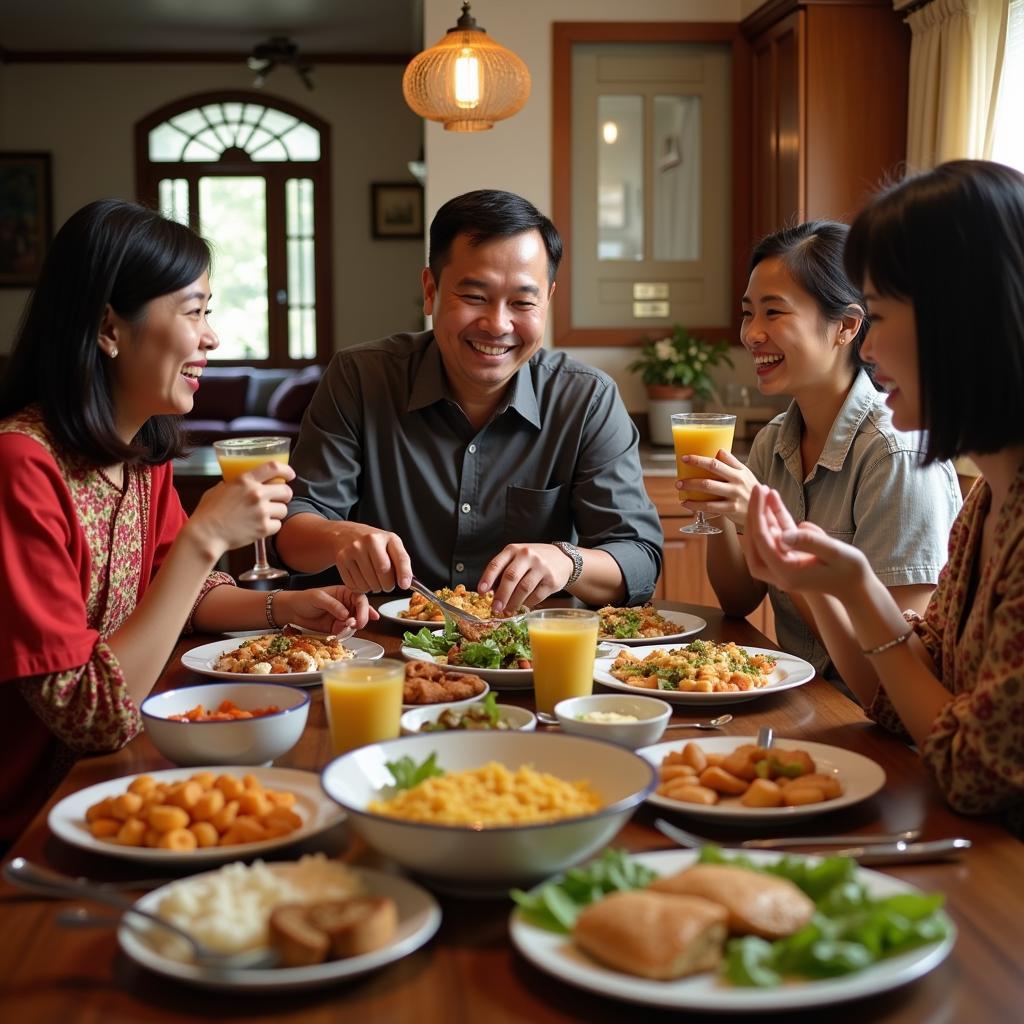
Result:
[[577, 560]]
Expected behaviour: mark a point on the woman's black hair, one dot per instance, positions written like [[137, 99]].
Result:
[[112, 253], [486, 214], [812, 252], [951, 242]]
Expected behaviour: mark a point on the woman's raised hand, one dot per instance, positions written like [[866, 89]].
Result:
[[732, 491], [231, 515], [798, 558], [326, 609]]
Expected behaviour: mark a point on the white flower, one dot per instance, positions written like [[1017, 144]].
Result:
[[693, 350], [665, 350]]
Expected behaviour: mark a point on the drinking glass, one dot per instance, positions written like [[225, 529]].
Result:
[[700, 433], [237, 455], [563, 642], [363, 701]]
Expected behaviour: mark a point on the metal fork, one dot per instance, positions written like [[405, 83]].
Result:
[[44, 882], [449, 609]]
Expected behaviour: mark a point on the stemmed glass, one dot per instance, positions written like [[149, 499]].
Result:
[[700, 433], [236, 456]]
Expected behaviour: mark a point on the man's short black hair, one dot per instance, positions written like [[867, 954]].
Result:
[[486, 214]]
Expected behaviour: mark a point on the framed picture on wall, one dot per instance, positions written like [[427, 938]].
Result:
[[26, 217], [396, 210]]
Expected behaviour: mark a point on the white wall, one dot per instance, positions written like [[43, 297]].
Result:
[[516, 154], [84, 115]]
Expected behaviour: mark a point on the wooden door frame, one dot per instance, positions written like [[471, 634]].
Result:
[[564, 35]]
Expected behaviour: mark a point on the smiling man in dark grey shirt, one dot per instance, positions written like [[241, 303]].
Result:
[[468, 453]]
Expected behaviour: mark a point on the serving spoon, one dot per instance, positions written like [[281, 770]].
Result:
[[715, 723], [44, 882]]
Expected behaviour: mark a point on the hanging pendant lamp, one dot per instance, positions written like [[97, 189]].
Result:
[[466, 80]]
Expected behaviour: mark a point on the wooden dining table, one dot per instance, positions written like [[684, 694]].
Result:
[[470, 973]]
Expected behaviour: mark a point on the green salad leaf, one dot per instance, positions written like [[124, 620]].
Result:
[[503, 647], [850, 929], [556, 905], [407, 773], [436, 646]]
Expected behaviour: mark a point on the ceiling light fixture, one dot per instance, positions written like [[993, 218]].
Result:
[[466, 80], [277, 50]]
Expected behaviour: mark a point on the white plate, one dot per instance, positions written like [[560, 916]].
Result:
[[202, 659], [556, 955], [418, 919], [390, 609], [465, 702], [789, 671], [499, 678], [688, 625], [317, 810], [860, 777]]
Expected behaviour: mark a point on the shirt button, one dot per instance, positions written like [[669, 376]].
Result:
[[459, 567], [467, 507], [472, 449]]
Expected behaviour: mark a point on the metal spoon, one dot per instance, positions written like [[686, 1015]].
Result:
[[715, 723], [43, 882]]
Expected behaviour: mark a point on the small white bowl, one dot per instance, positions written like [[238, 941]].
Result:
[[241, 741], [486, 861], [652, 716], [517, 718]]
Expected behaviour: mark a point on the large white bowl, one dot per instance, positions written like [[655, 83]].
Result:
[[651, 715], [242, 741], [488, 861], [414, 720]]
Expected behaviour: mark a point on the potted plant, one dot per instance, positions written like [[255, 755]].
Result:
[[675, 369]]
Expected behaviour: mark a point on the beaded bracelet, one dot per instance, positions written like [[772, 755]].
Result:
[[269, 607], [889, 644]]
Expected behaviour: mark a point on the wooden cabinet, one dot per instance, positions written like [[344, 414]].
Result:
[[828, 107], [684, 575]]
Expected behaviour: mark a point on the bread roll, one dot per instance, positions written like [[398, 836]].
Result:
[[757, 904], [652, 934], [295, 939], [356, 926]]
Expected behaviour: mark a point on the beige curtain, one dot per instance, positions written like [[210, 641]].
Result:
[[956, 57]]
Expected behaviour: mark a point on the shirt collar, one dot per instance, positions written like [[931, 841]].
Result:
[[860, 400], [429, 386]]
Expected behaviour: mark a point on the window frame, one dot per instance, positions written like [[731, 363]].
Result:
[[149, 173]]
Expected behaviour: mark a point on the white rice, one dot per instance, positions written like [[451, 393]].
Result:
[[229, 910]]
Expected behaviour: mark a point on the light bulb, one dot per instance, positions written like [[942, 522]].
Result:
[[609, 132], [467, 79]]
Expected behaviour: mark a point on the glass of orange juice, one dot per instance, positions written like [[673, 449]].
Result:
[[236, 456], [563, 642], [700, 433], [363, 700]]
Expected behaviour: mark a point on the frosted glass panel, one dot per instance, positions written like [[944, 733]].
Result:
[[173, 194], [233, 215], [676, 159], [620, 177]]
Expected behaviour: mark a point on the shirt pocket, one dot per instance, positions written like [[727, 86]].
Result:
[[536, 516]]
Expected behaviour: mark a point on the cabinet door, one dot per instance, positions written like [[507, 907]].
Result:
[[778, 126]]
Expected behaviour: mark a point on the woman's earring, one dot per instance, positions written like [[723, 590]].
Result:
[[113, 352]]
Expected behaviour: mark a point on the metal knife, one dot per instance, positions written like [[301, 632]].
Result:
[[905, 853], [849, 840]]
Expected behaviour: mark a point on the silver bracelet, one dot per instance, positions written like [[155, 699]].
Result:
[[889, 644], [269, 607]]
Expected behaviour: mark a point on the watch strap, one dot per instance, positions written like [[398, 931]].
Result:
[[572, 552]]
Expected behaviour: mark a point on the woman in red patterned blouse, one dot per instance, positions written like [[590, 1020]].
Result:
[[941, 259], [100, 569]]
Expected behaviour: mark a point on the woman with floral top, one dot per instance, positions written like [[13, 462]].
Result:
[[941, 258], [834, 455], [100, 569]]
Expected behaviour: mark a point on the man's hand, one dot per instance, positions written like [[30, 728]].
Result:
[[372, 560], [524, 574]]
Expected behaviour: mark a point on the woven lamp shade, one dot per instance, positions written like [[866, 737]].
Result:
[[466, 80]]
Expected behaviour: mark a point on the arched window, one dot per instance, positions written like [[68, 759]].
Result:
[[250, 173]]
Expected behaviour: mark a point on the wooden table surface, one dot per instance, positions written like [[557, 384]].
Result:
[[470, 972]]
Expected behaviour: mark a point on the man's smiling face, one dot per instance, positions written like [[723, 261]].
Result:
[[489, 308]]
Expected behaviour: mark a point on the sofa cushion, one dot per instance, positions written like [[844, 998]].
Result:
[[292, 396], [221, 395]]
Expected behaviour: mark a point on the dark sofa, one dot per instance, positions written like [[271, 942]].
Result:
[[243, 401]]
